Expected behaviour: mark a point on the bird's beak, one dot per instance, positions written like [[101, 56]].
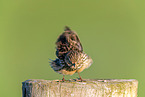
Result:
[[73, 64]]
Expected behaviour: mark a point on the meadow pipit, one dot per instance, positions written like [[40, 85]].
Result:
[[70, 56]]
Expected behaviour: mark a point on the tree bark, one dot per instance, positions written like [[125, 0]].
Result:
[[87, 88]]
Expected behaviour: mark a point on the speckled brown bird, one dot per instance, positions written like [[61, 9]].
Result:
[[70, 56]]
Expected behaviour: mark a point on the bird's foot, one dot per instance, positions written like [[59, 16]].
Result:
[[80, 79], [63, 80]]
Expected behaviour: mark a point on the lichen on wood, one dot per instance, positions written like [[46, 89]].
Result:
[[74, 88]]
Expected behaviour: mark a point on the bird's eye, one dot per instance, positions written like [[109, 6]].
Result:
[[73, 64]]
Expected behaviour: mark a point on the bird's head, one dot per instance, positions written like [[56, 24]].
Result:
[[72, 58]]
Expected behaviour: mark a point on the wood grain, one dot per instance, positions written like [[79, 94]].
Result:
[[87, 88]]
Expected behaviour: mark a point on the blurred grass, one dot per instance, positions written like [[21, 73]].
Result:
[[111, 32]]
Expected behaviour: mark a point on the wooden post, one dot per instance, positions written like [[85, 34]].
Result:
[[87, 88]]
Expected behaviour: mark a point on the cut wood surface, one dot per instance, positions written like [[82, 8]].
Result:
[[73, 88]]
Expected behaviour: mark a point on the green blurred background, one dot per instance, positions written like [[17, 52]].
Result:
[[112, 32]]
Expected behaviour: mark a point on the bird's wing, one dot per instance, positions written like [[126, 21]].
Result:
[[67, 41], [57, 64]]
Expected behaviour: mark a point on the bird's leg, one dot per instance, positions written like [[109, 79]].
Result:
[[63, 78], [80, 77]]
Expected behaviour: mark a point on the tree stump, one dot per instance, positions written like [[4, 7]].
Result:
[[87, 88]]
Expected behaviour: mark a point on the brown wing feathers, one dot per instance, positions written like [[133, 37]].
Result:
[[66, 42]]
